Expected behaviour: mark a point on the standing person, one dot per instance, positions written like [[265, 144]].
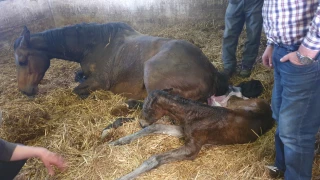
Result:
[[293, 33], [238, 13], [14, 156]]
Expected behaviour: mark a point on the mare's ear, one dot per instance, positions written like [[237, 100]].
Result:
[[168, 90], [25, 37]]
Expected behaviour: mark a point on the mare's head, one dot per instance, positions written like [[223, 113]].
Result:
[[31, 64], [152, 110]]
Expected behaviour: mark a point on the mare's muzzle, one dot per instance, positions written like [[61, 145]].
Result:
[[30, 91]]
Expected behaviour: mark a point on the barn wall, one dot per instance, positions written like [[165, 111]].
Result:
[[14, 14], [143, 15]]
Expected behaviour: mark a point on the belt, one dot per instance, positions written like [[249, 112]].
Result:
[[289, 48], [292, 48]]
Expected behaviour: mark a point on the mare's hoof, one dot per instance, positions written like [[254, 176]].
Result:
[[134, 104], [84, 96], [79, 76], [81, 95]]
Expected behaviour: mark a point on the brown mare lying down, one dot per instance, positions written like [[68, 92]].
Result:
[[241, 122], [117, 58]]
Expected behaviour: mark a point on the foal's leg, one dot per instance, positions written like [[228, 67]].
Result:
[[188, 151], [152, 129], [117, 123]]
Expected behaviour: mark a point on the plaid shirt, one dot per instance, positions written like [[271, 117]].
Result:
[[292, 22]]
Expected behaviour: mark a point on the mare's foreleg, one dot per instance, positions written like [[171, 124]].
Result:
[[85, 88], [152, 129], [186, 152]]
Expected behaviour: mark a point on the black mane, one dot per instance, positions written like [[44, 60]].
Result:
[[78, 37]]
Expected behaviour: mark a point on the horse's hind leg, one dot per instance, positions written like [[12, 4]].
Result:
[[188, 151], [152, 129]]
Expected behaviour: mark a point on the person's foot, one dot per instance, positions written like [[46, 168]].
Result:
[[228, 72], [244, 73], [274, 172], [238, 68]]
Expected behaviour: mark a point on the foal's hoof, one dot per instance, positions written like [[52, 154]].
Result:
[[121, 141], [105, 133], [113, 143]]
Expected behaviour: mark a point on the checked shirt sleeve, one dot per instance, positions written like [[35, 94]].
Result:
[[312, 40]]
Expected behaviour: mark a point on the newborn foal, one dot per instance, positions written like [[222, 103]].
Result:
[[199, 124]]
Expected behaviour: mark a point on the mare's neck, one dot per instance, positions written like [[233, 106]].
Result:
[[54, 47]]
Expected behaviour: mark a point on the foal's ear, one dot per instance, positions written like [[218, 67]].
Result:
[[25, 37]]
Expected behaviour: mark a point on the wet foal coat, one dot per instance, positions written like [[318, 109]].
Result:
[[242, 122]]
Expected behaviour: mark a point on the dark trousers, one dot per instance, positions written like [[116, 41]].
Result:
[[238, 13], [9, 170]]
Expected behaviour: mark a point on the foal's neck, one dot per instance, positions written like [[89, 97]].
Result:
[[176, 107]]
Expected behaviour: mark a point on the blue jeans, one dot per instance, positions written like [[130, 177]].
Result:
[[238, 13], [296, 109]]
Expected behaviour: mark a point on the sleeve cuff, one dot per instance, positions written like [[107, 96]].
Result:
[[7, 150]]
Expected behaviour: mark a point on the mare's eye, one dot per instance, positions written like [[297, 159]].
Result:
[[24, 63]]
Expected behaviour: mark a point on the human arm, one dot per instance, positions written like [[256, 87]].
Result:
[[47, 157], [311, 43]]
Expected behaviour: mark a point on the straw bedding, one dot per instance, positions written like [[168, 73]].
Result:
[[60, 121]]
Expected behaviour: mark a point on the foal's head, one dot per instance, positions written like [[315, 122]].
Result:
[[152, 110], [31, 64]]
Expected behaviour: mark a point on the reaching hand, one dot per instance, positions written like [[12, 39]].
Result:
[[50, 159], [267, 57]]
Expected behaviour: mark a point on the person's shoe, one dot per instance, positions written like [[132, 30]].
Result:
[[244, 73], [228, 72], [238, 68], [274, 172]]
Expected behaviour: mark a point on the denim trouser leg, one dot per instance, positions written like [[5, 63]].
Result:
[[234, 21], [295, 105], [254, 22]]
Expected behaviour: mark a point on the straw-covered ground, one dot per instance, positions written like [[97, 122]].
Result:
[[60, 121]]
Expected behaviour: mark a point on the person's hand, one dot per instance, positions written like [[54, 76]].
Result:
[[267, 57], [50, 159], [292, 57]]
